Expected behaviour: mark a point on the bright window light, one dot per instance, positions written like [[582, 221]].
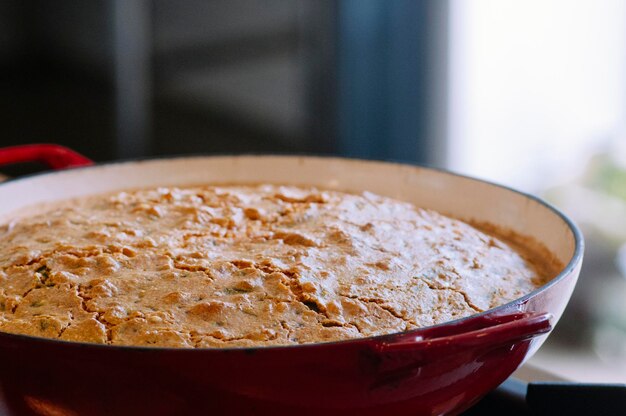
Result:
[[535, 87]]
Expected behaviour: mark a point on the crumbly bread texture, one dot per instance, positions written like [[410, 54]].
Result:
[[233, 266]]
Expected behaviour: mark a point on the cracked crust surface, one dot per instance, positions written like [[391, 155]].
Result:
[[224, 266]]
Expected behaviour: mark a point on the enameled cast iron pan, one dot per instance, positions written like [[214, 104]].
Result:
[[439, 370]]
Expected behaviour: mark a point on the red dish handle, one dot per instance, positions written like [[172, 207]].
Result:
[[53, 155], [483, 330]]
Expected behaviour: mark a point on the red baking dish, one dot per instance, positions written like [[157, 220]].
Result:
[[438, 370]]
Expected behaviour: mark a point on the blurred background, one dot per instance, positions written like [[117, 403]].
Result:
[[531, 94]]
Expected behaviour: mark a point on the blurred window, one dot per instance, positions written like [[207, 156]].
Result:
[[536, 87]]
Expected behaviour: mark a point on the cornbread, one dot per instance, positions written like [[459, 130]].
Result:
[[227, 266]]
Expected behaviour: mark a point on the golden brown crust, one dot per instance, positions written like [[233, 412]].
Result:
[[223, 266]]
